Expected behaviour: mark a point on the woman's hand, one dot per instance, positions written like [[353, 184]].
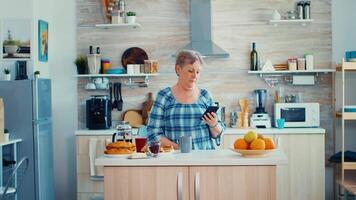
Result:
[[211, 119]]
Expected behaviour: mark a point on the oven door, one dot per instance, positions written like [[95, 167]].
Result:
[[294, 117]]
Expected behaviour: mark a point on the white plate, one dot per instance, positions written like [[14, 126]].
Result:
[[116, 155]]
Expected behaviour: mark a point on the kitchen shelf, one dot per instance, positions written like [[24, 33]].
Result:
[[314, 71], [130, 83], [348, 66], [112, 26], [114, 75], [349, 186], [291, 21]]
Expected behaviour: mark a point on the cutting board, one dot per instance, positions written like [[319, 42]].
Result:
[[146, 108], [134, 118]]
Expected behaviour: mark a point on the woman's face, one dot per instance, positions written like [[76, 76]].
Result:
[[188, 75]]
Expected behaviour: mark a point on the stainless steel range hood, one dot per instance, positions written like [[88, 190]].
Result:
[[201, 30]]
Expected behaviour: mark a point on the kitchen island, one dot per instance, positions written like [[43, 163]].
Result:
[[220, 174]]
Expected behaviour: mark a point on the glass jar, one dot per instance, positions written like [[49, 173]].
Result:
[[124, 131], [292, 64]]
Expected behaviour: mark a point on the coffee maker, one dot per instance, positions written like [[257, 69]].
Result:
[[260, 119], [98, 114]]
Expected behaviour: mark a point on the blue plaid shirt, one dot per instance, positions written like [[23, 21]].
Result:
[[172, 119]]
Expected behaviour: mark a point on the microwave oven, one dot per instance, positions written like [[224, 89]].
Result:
[[298, 114]]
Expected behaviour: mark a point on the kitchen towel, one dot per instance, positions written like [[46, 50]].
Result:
[[96, 149]]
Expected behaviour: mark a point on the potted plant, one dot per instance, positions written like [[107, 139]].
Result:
[[11, 46], [6, 135], [82, 64], [36, 74], [7, 75], [130, 17]]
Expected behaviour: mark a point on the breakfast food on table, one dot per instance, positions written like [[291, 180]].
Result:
[[138, 155], [120, 147], [163, 149], [254, 141]]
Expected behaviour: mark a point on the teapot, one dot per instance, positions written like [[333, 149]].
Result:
[[123, 133]]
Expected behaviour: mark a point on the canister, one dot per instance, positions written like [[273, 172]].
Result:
[[301, 63], [309, 61], [292, 64]]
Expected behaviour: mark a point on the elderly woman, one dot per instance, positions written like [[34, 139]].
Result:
[[178, 110]]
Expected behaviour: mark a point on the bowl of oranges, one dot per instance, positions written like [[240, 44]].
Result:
[[254, 145]]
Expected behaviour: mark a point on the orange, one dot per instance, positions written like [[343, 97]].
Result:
[[269, 143], [240, 144], [260, 136], [258, 144]]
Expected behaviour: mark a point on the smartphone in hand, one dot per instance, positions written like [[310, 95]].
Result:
[[210, 109]]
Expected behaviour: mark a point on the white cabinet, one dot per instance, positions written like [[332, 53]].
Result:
[[88, 187]]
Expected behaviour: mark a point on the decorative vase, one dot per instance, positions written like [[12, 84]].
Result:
[[276, 15], [130, 19]]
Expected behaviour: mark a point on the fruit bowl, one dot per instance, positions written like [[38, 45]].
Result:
[[253, 153]]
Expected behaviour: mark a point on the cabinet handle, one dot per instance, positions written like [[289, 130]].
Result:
[[180, 186], [197, 186]]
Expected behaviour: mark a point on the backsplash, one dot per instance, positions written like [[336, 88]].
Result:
[[236, 24]]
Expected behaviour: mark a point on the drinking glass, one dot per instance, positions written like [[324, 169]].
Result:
[[154, 147]]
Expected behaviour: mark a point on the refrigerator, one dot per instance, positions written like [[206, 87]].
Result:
[[28, 115]]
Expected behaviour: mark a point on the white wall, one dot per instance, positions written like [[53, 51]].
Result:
[[63, 32], [62, 50], [10, 9], [42, 10]]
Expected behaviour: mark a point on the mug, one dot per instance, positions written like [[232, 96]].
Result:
[[280, 123], [98, 80], [105, 80], [90, 86], [185, 144]]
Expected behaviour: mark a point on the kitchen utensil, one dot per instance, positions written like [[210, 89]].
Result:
[[134, 118], [133, 55], [110, 96], [116, 95], [119, 101], [147, 105]]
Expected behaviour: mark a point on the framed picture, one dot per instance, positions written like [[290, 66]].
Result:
[[16, 39], [42, 41]]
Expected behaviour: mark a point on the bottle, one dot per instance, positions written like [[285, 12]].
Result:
[[300, 7], [306, 11], [90, 49], [309, 61], [254, 58], [97, 50], [122, 8]]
